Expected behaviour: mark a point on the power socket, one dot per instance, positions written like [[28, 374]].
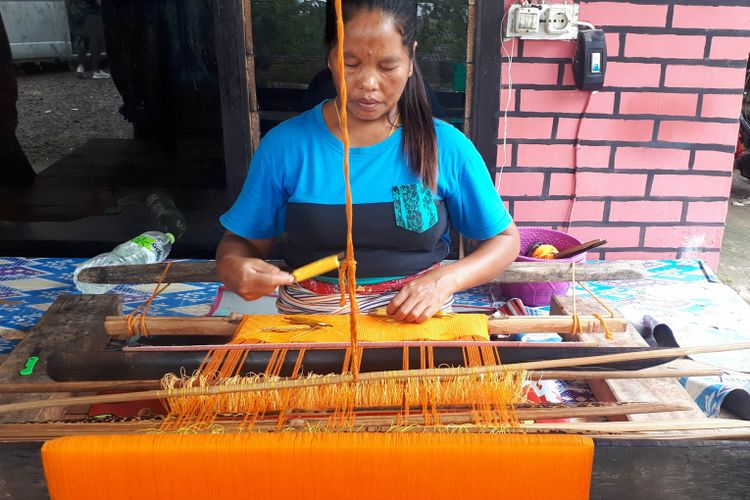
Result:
[[541, 21], [558, 20]]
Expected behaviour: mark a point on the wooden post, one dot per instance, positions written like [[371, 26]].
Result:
[[239, 107], [485, 76], [471, 33], [247, 23]]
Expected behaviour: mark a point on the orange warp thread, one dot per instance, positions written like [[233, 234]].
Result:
[[133, 318], [350, 265], [317, 466]]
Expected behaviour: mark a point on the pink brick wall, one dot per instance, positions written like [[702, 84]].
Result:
[[646, 163]]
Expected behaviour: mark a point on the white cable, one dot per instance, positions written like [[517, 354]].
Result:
[[498, 175], [584, 24], [507, 103]]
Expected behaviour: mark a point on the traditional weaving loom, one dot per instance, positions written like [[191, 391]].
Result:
[[331, 431], [339, 406]]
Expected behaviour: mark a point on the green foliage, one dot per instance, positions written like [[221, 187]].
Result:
[[288, 36], [442, 29], [295, 27], [289, 27]]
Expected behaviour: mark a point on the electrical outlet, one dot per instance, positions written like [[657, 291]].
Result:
[[542, 21], [558, 20]]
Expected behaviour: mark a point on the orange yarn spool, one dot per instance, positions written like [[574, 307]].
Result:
[[317, 466]]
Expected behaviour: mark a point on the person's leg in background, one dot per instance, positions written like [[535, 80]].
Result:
[[94, 28], [80, 46], [15, 169]]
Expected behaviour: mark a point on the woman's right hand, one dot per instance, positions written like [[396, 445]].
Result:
[[249, 277]]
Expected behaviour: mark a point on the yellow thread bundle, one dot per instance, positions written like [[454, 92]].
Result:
[[544, 252], [317, 466]]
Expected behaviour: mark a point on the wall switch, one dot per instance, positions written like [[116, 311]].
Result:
[[542, 21], [527, 20]]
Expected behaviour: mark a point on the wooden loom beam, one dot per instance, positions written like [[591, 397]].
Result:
[[370, 376], [144, 385], [713, 468], [663, 390], [72, 320], [177, 325], [517, 272], [40, 431]]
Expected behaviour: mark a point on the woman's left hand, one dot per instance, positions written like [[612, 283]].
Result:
[[422, 298]]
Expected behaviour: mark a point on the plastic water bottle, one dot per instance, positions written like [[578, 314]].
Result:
[[147, 248], [165, 214]]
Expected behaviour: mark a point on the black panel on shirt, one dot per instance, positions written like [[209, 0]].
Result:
[[381, 247]]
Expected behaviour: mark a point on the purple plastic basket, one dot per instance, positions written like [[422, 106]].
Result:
[[540, 294]]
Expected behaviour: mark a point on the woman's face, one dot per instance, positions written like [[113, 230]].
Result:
[[376, 65]]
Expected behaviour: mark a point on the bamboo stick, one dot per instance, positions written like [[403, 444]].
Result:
[[517, 272], [349, 378], [728, 429], [630, 427], [715, 434], [80, 386], [208, 326], [175, 325], [541, 412], [143, 385], [324, 346], [555, 324], [621, 374]]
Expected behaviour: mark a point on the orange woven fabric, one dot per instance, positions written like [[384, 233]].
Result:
[[279, 329], [313, 466]]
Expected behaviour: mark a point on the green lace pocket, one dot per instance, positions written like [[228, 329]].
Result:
[[414, 207]]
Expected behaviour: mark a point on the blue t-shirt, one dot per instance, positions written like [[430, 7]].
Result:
[[296, 184]]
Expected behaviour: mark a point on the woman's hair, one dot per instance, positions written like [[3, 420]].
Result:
[[419, 143]]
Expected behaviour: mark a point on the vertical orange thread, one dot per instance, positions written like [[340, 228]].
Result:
[[350, 264], [131, 318]]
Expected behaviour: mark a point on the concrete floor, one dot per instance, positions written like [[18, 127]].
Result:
[[734, 265]]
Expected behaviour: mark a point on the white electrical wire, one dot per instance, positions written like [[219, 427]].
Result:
[[509, 55], [584, 24]]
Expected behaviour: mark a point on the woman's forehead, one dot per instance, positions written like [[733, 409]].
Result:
[[373, 26]]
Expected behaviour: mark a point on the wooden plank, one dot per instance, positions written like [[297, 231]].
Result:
[[670, 470], [657, 390], [71, 322], [21, 473], [622, 470], [227, 326], [517, 272]]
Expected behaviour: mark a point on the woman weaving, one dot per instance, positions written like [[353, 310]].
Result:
[[411, 177]]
